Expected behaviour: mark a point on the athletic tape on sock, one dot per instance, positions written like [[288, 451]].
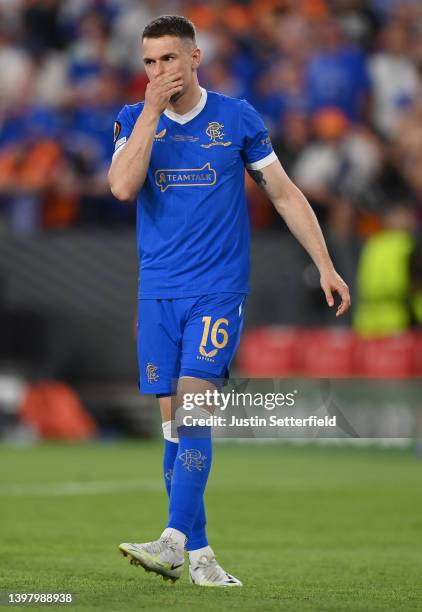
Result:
[[166, 425]]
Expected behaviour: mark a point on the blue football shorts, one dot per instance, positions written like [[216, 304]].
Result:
[[195, 336]]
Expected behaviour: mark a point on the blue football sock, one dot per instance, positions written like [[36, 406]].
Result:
[[190, 474], [198, 536]]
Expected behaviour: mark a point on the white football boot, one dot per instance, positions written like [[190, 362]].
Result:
[[207, 572], [165, 557]]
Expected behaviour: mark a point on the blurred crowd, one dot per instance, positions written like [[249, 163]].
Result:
[[338, 83]]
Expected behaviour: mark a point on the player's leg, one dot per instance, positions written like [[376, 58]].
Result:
[[192, 464], [190, 473], [191, 459], [198, 537], [166, 555], [209, 342]]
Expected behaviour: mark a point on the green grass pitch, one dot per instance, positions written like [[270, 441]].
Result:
[[305, 528]]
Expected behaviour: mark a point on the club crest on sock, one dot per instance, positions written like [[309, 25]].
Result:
[[193, 459]]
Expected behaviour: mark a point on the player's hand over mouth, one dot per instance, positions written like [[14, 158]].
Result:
[[160, 89]]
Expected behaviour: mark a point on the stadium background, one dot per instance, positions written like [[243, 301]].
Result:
[[339, 85]]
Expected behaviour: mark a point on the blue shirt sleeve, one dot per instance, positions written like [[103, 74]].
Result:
[[123, 127], [257, 150]]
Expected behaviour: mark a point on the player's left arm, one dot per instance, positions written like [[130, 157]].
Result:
[[296, 211]]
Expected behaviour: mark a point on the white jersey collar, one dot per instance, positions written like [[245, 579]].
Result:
[[182, 119]]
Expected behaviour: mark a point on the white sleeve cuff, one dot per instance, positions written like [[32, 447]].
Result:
[[261, 163], [122, 146]]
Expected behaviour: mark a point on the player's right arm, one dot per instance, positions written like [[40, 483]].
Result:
[[130, 162]]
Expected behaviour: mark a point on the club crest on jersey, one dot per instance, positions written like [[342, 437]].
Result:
[[151, 372], [185, 177], [193, 459], [215, 133]]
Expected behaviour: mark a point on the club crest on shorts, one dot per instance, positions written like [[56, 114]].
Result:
[[193, 459], [152, 372], [169, 474]]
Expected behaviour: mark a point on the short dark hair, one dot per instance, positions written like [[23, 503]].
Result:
[[170, 25]]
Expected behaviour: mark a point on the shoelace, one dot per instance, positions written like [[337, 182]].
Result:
[[172, 545], [213, 572], [157, 547]]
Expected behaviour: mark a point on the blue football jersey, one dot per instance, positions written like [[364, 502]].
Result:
[[192, 218]]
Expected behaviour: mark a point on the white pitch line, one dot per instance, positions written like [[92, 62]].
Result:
[[93, 487]]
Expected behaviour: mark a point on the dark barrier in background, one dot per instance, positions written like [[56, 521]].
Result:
[[68, 299], [76, 294]]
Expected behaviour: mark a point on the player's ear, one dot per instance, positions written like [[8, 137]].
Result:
[[196, 58]]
